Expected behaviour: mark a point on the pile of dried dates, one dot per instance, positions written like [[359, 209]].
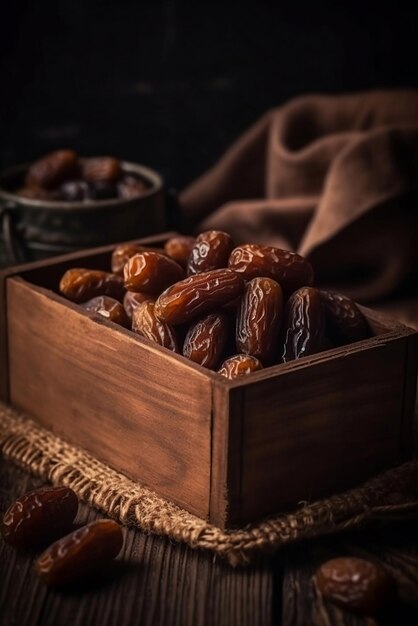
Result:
[[232, 309], [62, 176], [47, 515]]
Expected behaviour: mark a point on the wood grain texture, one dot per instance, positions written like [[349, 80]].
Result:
[[48, 273], [105, 389], [154, 583], [158, 583], [323, 429], [226, 463]]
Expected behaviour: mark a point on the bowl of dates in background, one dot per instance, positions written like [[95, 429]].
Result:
[[63, 202]]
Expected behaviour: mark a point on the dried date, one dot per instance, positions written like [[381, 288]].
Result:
[[121, 255], [197, 295], [303, 327], [206, 340], [52, 169], [146, 324], [231, 307], [36, 193], [344, 320], [259, 319], [80, 554], [125, 251], [75, 191], [289, 269], [179, 248], [151, 272], [211, 251], [101, 170], [103, 190], [355, 584], [80, 285], [39, 517], [131, 187], [109, 308], [239, 365], [132, 300]]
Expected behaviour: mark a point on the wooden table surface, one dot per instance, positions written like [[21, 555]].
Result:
[[160, 583], [157, 582]]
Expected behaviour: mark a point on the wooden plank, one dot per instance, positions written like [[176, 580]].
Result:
[[226, 464], [48, 273], [323, 429], [380, 323], [305, 363], [165, 584], [155, 582], [127, 401]]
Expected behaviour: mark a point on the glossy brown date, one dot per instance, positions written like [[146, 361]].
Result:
[[52, 169], [289, 269], [132, 300], [150, 272], [259, 319], [355, 584], [303, 326], [179, 248], [231, 307], [101, 170], [80, 285], [146, 324], [80, 554], [197, 295], [211, 251], [37, 193], [344, 320], [206, 340], [239, 365], [131, 187], [110, 309], [74, 191], [39, 517], [122, 253]]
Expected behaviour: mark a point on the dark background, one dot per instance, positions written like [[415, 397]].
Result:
[[171, 84]]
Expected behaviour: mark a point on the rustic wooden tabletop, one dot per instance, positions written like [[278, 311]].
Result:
[[160, 583], [157, 582]]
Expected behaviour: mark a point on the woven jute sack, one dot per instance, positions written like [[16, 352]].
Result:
[[392, 493]]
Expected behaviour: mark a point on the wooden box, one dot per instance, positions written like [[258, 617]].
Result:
[[228, 451]]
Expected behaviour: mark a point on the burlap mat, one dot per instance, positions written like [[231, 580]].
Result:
[[393, 493]]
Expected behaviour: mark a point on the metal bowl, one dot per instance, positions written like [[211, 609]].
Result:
[[36, 229]]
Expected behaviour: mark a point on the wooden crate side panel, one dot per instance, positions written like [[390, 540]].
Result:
[[132, 407], [225, 493], [323, 429], [47, 273]]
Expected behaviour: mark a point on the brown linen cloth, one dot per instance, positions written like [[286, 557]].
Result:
[[334, 178]]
